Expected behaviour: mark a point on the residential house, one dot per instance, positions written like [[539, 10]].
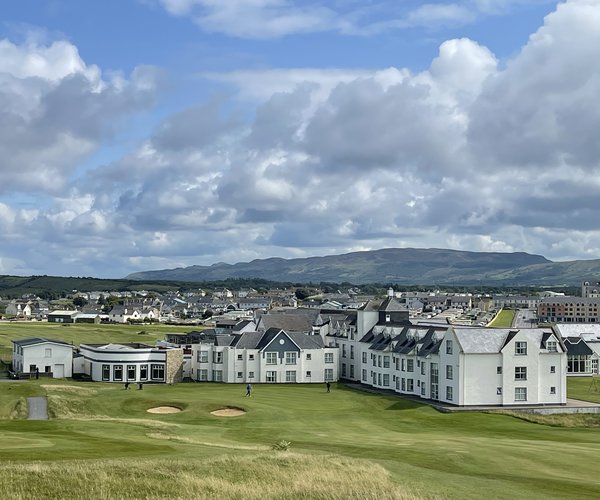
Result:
[[44, 355]]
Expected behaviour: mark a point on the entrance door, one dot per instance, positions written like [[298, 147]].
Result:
[[59, 371]]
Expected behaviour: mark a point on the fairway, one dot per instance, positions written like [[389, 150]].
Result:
[[504, 319], [343, 444]]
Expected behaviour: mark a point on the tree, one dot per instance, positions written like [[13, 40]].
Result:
[[302, 293], [79, 301]]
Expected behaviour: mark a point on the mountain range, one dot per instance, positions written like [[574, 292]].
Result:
[[407, 266]]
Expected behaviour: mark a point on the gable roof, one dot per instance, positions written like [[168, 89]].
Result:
[[39, 340]]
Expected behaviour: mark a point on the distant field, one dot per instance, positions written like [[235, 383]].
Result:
[[504, 319], [81, 333], [346, 444]]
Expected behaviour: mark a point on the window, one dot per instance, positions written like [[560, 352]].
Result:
[[217, 357], [388, 317], [552, 346], [308, 357], [449, 394], [499, 370], [449, 372], [499, 391], [422, 389], [240, 374], [328, 357], [343, 369], [448, 347], [48, 369], [552, 390], [364, 375], [157, 372], [520, 373], [105, 372], [290, 376], [290, 358], [423, 368], [403, 384], [410, 365], [131, 372], [143, 372], [379, 379], [351, 352], [343, 350], [48, 353], [403, 365], [520, 348], [410, 385], [364, 357], [204, 375], [271, 376], [379, 361], [240, 357], [553, 369], [217, 375], [308, 374], [203, 357], [328, 374], [250, 374], [271, 358], [386, 380], [118, 372], [520, 393], [351, 371], [250, 357], [386, 361]]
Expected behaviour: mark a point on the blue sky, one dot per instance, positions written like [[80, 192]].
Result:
[[144, 134]]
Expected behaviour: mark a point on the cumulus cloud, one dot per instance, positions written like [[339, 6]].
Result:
[[468, 154], [55, 110]]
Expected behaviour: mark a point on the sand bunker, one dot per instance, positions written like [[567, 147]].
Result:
[[228, 412], [164, 409]]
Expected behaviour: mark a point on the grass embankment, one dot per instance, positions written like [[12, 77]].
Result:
[[504, 319], [101, 441], [82, 333]]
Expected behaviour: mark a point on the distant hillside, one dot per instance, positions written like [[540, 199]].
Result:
[[395, 265]]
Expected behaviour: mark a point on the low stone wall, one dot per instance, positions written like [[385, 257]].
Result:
[[174, 368]]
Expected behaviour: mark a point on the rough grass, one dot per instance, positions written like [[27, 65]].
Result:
[[277, 475], [567, 420]]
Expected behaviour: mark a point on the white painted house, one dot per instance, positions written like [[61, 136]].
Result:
[[43, 355], [272, 356], [131, 363]]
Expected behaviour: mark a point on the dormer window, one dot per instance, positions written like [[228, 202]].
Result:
[[552, 346], [388, 318]]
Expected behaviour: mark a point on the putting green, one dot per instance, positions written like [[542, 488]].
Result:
[[16, 441]]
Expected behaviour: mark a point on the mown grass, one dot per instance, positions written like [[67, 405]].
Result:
[[504, 319], [101, 440], [82, 333]]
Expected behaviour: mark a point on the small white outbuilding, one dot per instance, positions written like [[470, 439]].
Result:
[[44, 356]]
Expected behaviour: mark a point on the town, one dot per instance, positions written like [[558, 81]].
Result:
[[462, 349]]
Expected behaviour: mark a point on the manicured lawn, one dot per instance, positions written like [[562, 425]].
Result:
[[584, 388], [504, 319], [82, 333], [102, 435]]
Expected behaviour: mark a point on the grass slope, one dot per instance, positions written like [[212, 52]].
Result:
[[504, 319], [346, 444]]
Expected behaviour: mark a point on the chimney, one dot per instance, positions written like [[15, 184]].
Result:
[[390, 292]]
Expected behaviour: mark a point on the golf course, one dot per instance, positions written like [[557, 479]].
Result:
[[286, 441]]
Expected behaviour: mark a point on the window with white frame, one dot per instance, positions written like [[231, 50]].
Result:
[[290, 376], [343, 350], [328, 374], [403, 384], [240, 374], [364, 375], [240, 357], [520, 373], [131, 372], [379, 361], [449, 393], [290, 358], [250, 374], [423, 368], [520, 348], [343, 369], [386, 361], [499, 370], [403, 365], [410, 365], [364, 357], [202, 356], [351, 352], [449, 372], [218, 357], [308, 356], [105, 373], [552, 346], [118, 372], [271, 358], [328, 357], [499, 391], [351, 371], [386, 380], [203, 375], [250, 357], [552, 390], [448, 347], [308, 374], [410, 385], [553, 369], [143, 372], [217, 375], [271, 376], [520, 393], [157, 372]]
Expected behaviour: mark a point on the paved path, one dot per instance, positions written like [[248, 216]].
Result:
[[38, 408]]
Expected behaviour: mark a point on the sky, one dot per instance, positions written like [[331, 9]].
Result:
[[152, 134]]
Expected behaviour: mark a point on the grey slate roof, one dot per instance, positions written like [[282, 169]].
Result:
[[577, 347], [481, 340], [392, 305], [38, 340]]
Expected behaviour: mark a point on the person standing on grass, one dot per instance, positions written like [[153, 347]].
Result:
[[328, 385], [249, 391]]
